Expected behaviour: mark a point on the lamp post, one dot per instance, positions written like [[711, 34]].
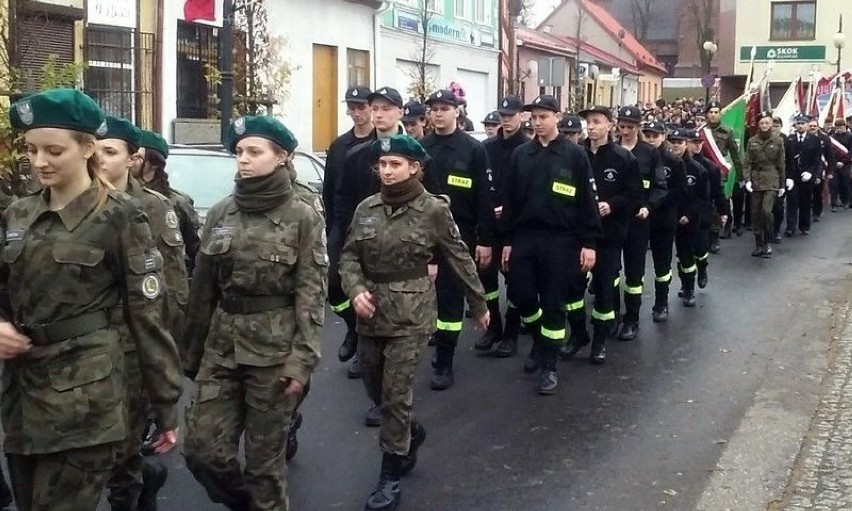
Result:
[[710, 47], [839, 40]]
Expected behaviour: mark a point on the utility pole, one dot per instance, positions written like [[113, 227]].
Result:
[[226, 66]]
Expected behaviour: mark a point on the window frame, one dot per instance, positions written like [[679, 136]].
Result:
[[467, 14], [794, 10], [350, 66], [481, 11]]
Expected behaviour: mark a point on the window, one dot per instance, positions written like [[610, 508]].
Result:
[[793, 21], [482, 14], [358, 66], [433, 5], [197, 51], [463, 9]]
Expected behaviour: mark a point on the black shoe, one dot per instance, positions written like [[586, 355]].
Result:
[[507, 347], [681, 293], [660, 315], [815, 218], [387, 495], [434, 361], [418, 436], [547, 383], [292, 441], [789, 233], [767, 252], [776, 239], [757, 252], [532, 361], [373, 419], [726, 232], [488, 339], [804, 232], [614, 328], [354, 371], [598, 355], [349, 347], [702, 279], [738, 231], [153, 478], [689, 299], [628, 331], [715, 247], [442, 379], [575, 344]]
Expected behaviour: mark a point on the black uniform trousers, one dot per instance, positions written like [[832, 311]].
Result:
[[740, 212], [799, 207], [544, 270], [839, 186], [817, 198], [604, 275], [686, 241], [634, 251], [662, 246], [490, 278], [337, 299], [778, 212], [450, 294], [702, 243]]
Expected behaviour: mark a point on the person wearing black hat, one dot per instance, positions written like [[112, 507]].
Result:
[[841, 182], [491, 123], [358, 109], [805, 154], [528, 130], [780, 203], [765, 175], [461, 164], [825, 164], [724, 138], [548, 201], [414, 119], [619, 193], [717, 207], [499, 149], [664, 219], [571, 128], [635, 247]]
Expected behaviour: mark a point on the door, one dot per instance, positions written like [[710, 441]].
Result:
[[325, 96]]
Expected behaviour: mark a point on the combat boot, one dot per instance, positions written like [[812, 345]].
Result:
[[153, 478], [660, 314], [714, 243], [495, 329], [418, 436], [349, 347], [547, 381], [628, 331], [442, 377], [292, 441], [758, 246], [726, 232], [598, 353], [354, 371], [702, 276], [532, 361], [373, 419], [387, 495], [577, 339], [689, 298], [512, 328]]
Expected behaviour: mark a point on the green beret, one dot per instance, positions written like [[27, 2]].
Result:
[[122, 129], [400, 145], [151, 140], [58, 108], [262, 126]]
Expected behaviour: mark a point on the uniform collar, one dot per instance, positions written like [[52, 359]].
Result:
[[454, 139], [556, 145], [73, 214]]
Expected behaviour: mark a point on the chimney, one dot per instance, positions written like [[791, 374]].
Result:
[[547, 29]]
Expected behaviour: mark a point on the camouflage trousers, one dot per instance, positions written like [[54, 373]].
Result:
[[125, 483], [229, 403], [387, 370], [63, 481]]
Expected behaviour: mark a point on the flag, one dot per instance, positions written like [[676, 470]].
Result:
[[750, 74], [835, 108], [752, 116], [199, 10], [800, 95], [712, 152], [787, 108], [733, 117]]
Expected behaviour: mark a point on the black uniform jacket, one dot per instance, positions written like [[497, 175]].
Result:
[[334, 161], [654, 187], [696, 203], [665, 216], [619, 184], [806, 156]]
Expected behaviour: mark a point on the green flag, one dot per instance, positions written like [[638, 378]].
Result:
[[733, 117]]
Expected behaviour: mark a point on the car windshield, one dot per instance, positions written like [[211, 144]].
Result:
[[207, 178]]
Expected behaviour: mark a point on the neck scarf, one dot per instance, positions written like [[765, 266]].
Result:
[[260, 194], [398, 194]]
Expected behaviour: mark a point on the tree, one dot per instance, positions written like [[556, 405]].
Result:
[[579, 96], [523, 9], [704, 12], [422, 75], [641, 13]]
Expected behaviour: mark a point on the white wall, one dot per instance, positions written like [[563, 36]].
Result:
[[474, 68]]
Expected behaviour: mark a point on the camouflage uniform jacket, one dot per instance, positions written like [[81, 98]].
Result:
[[57, 265], [165, 228], [306, 193], [279, 252], [189, 224], [764, 163], [382, 240]]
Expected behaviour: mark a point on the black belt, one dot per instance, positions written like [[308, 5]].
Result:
[[386, 277], [253, 304], [51, 333]]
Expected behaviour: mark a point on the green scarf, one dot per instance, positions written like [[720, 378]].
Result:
[[260, 194], [398, 194]]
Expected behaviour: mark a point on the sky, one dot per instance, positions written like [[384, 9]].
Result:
[[541, 8]]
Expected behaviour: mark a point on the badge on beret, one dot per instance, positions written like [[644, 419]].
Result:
[[240, 126], [171, 220], [407, 111], [354, 93], [439, 94], [102, 129], [25, 112], [570, 123], [151, 286], [386, 145], [537, 100], [383, 91], [629, 112], [505, 103]]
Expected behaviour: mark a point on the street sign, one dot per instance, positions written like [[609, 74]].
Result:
[[782, 53]]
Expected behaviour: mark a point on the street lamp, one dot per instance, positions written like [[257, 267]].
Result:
[[710, 47], [839, 40]]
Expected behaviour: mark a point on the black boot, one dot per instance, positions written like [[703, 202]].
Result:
[[726, 232], [714, 243], [702, 276], [508, 346], [354, 371], [660, 314], [511, 329], [495, 329], [532, 362], [387, 494], [767, 251], [758, 246], [349, 347], [418, 436], [628, 330], [153, 478], [292, 441], [547, 381], [689, 298], [442, 377], [578, 338], [598, 354], [373, 418]]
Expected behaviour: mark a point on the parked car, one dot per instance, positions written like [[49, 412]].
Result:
[[206, 173]]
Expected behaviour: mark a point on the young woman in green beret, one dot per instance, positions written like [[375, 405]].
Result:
[[393, 235], [254, 323], [117, 150], [70, 256]]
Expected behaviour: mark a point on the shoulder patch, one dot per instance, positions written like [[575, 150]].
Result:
[[171, 219], [151, 286]]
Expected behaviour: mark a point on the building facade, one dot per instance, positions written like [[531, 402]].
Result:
[[462, 46]]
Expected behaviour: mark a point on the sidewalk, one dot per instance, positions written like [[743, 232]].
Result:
[[822, 478]]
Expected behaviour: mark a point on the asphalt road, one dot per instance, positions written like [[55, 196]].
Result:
[[643, 432]]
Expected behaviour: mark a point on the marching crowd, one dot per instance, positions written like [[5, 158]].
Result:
[[99, 318]]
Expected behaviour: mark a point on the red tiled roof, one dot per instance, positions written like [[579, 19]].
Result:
[[544, 41], [602, 56]]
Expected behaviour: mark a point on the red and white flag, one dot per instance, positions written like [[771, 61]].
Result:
[[712, 152], [199, 10]]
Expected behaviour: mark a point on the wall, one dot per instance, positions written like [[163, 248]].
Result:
[[525, 54], [564, 23]]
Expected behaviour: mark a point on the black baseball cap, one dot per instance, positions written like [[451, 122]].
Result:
[[545, 101], [388, 94], [357, 94], [527, 125], [570, 124], [630, 114], [597, 109], [442, 96], [765, 113], [492, 118], [412, 111], [713, 103], [678, 133], [654, 127], [510, 105], [693, 134]]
